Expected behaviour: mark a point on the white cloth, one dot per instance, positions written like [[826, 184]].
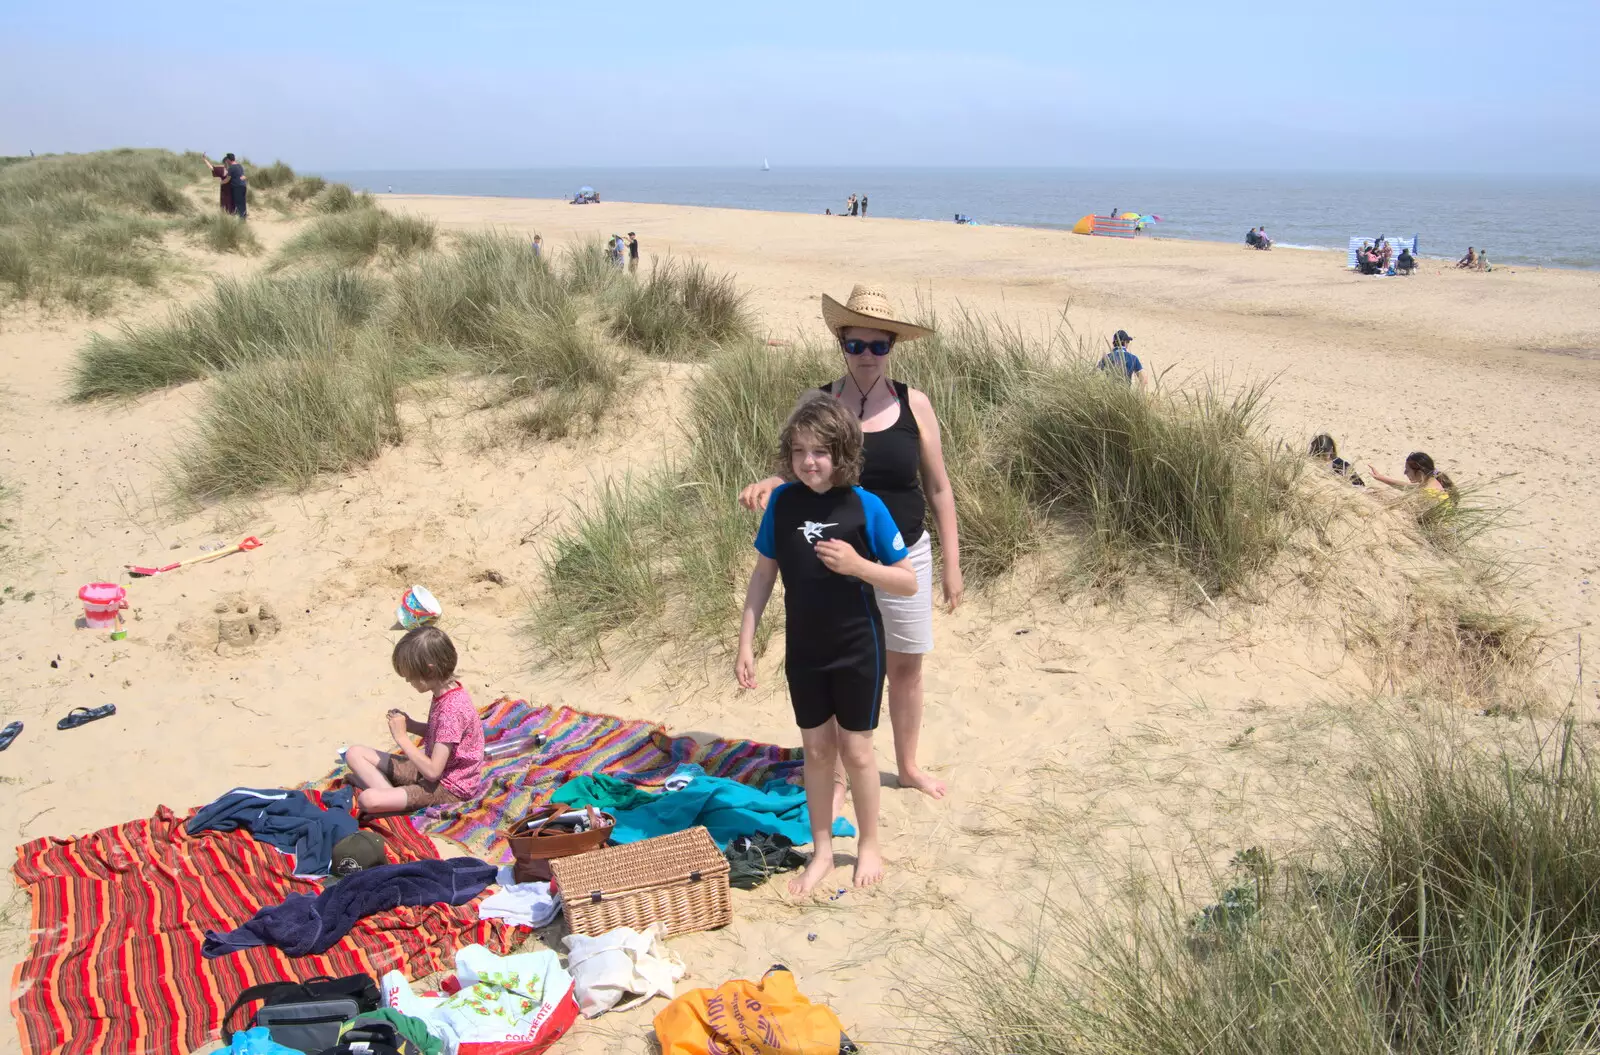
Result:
[[619, 962], [682, 777], [908, 621], [520, 904], [502, 999]]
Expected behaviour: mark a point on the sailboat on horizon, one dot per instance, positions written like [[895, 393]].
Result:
[[764, 166]]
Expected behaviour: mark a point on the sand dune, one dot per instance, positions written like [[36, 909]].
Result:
[[1130, 719]]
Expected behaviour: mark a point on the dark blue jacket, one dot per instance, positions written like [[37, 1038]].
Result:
[[306, 926], [288, 820]]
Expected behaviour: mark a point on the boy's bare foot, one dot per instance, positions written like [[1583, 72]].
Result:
[[815, 873], [930, 786], [869, 867]]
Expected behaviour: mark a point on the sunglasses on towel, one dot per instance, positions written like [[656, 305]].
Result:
[[855, 346]]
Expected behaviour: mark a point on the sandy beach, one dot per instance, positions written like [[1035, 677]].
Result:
[[1164, 729]]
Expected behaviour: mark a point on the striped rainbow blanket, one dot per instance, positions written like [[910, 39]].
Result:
[[534, 750]]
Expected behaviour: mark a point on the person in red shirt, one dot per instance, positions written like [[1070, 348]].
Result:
[[448, 766]]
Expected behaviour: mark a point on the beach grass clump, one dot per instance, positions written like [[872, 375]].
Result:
[[338, 197], [280, 423], [222, 233], [1455, 913], [1183, 483], [360, 236], [276, 176], [305, 188], [586, 269], [240, 322], [75, 229], [680, 310], [495, 308], [605, 572]]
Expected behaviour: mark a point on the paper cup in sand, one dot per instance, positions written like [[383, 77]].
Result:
[[417, 608]]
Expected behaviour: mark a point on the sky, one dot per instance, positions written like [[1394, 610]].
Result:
[[1424, 86]]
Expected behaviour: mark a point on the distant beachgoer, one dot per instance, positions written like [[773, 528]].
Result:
[[538, 245], [1470, 261], [827, 212], [1261, 236], [1483, 260], [1405, 263], [220, 171], [1420, 475], [633, 251], [853, 204], [236, 182], [448, 767], [863, 205], [1121, 360], [1325, 450], [1251, 238]]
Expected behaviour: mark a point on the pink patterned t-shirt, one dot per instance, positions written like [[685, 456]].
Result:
[[453, 720]]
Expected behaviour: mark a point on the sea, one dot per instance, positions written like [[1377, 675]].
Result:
[[1529, 221]]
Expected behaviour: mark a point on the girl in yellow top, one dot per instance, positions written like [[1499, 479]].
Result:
[[1420, 476]]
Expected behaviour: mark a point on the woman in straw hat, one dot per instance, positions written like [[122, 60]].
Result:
[[905, 468]]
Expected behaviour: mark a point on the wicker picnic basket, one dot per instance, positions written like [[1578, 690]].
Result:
[[680, 880]]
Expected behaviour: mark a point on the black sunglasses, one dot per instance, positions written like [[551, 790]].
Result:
[[856, 346]]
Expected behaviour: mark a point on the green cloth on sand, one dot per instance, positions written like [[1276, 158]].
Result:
[[413, 1029], [603, 792]]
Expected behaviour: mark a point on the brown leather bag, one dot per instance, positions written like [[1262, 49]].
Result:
[[541, 836]]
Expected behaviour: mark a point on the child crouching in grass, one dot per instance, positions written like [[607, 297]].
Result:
[[832, 542], [448, 767]]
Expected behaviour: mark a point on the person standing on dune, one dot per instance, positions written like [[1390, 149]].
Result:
[[220, 171], [234, 179], [905, 468], [863, 205], [633, 251]]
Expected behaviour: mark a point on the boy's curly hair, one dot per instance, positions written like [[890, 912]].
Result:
[[834, 427]]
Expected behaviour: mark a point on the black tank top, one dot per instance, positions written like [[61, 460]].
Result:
[[893, 467]]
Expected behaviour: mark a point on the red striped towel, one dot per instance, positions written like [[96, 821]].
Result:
[[119, 917]]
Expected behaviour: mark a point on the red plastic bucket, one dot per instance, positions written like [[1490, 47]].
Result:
[[101, 603]]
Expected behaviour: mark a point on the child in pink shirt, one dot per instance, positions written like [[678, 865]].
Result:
[[448, 767]]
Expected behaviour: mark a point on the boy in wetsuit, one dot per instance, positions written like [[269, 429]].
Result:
[[832, 542]]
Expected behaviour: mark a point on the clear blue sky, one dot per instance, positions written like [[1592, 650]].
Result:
[[1422, 86]]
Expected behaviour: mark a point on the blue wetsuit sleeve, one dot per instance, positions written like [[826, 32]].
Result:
[[882, 536], [767, 533], [1134, 365]]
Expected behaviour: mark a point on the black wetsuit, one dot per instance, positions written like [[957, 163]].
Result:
[[834, 634]]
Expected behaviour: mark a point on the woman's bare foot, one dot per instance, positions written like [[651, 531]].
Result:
[[930, 786], [815, 873], [869, 867]]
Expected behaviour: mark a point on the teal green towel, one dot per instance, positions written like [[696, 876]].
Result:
[[601, 791], [727, 808]]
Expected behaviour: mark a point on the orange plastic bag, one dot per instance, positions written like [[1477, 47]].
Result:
[[744, 1018]]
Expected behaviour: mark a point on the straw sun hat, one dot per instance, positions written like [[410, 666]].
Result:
[[868, 306]]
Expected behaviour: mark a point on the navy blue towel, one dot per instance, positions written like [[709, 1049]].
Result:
[[288, 820], [305, 925]]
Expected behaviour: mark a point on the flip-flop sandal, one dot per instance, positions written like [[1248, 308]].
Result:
[[84, 715], [8, 734]]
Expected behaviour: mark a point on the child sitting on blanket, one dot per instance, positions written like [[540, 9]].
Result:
[[448, 767]]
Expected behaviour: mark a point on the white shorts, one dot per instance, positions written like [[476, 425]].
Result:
[[908, 621]]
